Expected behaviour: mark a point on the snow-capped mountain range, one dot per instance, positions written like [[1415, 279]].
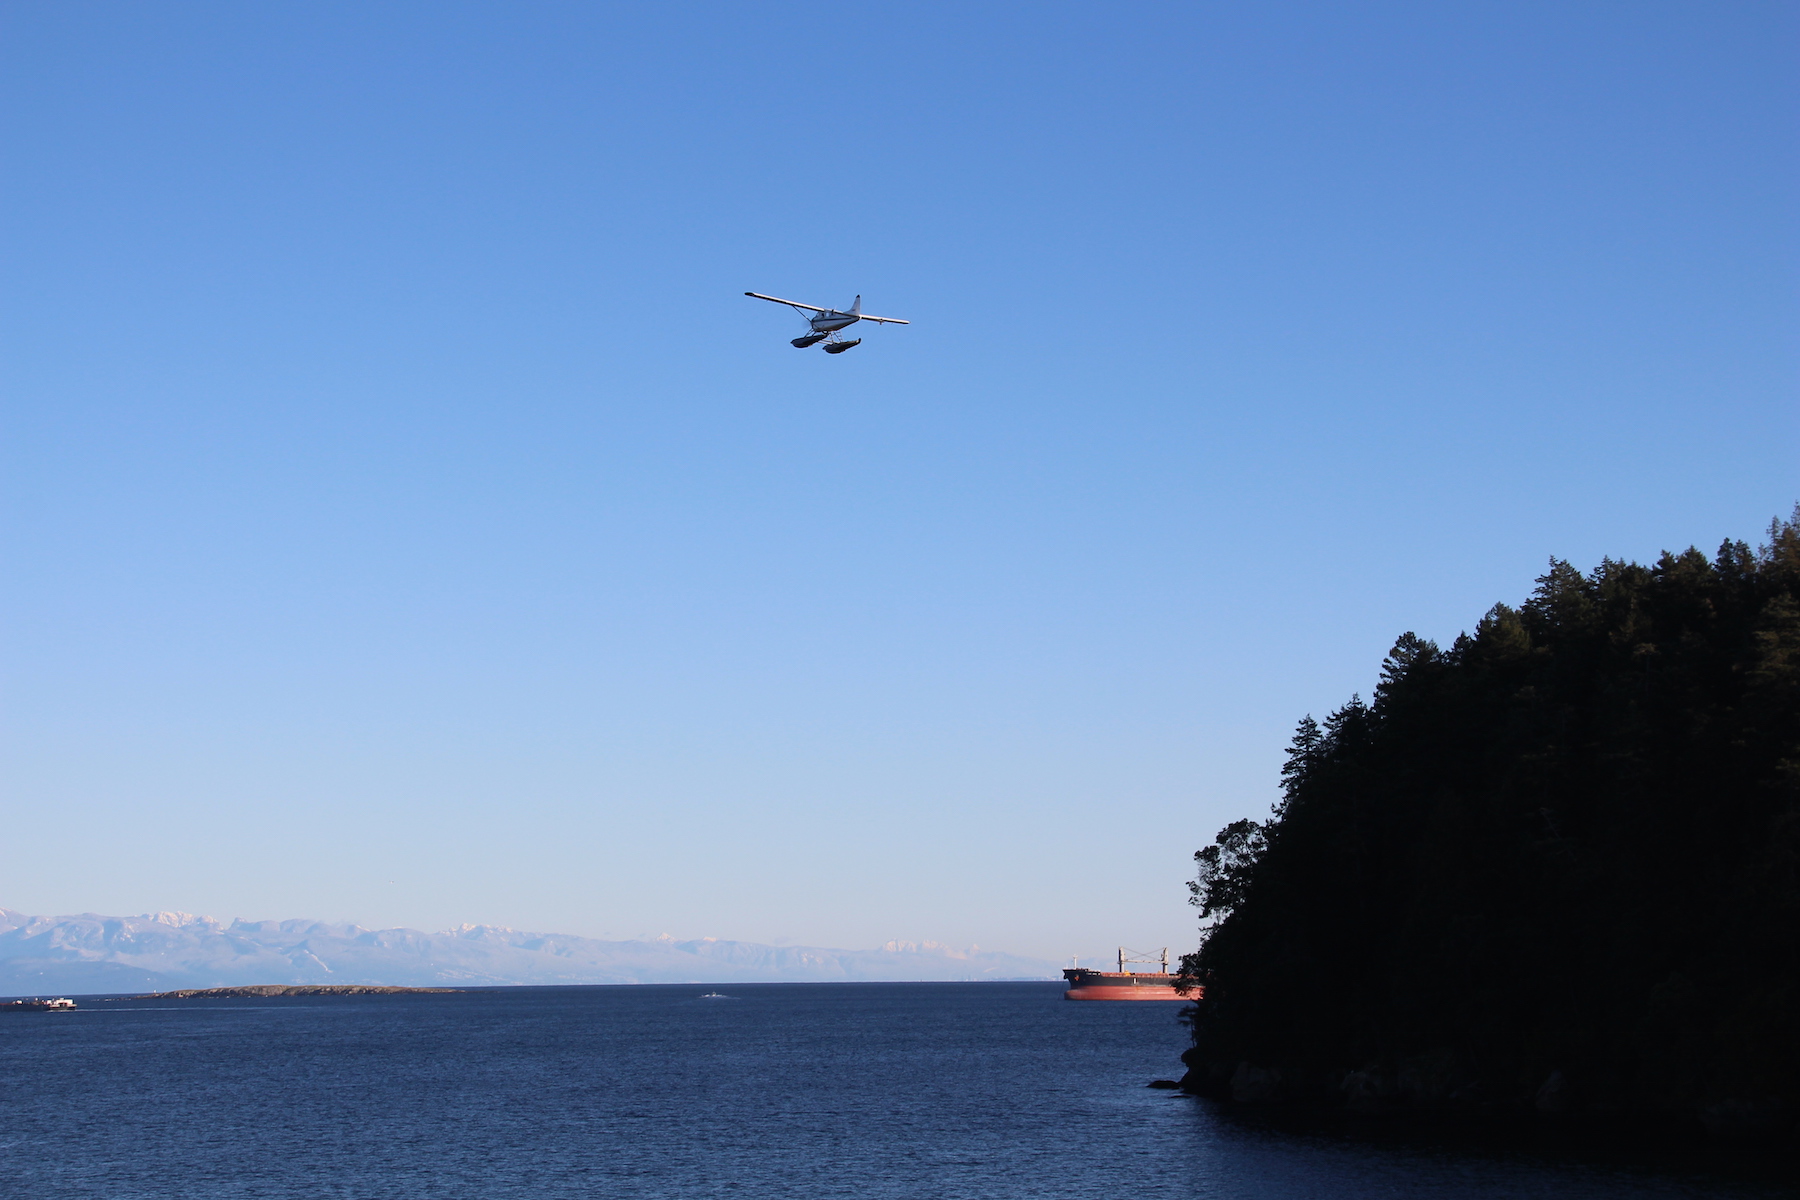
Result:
[[159, 951]]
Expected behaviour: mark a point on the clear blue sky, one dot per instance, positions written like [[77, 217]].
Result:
[[408, 520]]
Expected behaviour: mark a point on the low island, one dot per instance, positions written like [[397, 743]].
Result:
[[296, 989], [1547, 875]]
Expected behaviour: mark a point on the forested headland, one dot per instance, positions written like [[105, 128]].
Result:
[[1551, 871]]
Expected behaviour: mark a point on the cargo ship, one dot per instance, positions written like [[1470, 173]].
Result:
[[1085, 983]]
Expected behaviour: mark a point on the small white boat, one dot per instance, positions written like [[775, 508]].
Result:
[[60, 1004]]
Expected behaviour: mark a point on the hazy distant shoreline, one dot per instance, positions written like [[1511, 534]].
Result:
[[297, 989], [169, 952]]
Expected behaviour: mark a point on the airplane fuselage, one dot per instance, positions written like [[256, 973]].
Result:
[[832, 321]]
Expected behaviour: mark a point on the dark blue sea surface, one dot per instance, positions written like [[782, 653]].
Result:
[[783, 1090]]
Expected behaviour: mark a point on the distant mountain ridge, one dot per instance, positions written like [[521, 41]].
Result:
[[168, 950]]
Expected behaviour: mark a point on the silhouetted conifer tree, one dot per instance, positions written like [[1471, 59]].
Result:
[[1569, 843]]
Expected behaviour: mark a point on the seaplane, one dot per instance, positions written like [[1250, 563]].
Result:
[[828, 324]]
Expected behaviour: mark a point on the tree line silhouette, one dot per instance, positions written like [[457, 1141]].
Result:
[[1555, 866]]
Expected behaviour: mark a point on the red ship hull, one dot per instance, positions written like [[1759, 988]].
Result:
[[1121, 985]]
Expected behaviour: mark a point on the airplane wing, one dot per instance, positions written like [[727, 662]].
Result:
[[885, 320], [791, 303]]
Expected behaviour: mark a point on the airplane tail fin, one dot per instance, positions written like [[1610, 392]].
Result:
[[856, 305]]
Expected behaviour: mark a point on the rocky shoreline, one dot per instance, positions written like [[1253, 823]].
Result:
[[1728, 1144], [1436, 1089]]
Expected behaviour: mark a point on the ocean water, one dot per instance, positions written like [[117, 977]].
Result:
[[781, 1090]]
